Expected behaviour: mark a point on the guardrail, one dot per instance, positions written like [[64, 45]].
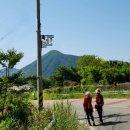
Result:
[[116, 92], [104, 92]]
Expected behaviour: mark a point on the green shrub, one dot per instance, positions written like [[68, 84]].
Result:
[[19, 110], [50, 96], [33, 95], [38, 121], [21, 115], [88, 88], [7, 124], [65, 117]]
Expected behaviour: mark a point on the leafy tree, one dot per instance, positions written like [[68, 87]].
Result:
[[68, 73], [56, 79], [8, 60], [116, 71], [117, 64], [32, 81], [64, 73], [95, 70], [89, 60], [90, 74], [46, 83]]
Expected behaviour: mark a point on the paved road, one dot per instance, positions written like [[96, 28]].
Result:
[[116, 113]]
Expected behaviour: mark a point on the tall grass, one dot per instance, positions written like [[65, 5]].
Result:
[[38, 121], [65, 118]]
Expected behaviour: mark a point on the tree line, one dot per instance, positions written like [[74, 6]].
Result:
[[90, 70]]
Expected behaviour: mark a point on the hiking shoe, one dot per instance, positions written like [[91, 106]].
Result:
[[90, 125], [101, 122], [93, 123], [89, 122]]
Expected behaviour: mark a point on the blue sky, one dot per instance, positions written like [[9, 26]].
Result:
[[99, 27]]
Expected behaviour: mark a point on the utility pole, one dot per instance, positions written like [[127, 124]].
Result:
[[39, 63], [42, 42]]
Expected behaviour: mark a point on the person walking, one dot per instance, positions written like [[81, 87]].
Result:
[[87, 104], [99, 104]]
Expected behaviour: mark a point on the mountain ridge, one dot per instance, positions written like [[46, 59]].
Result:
[[50, 62]]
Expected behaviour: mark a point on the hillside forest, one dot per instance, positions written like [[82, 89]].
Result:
[[90, 69]]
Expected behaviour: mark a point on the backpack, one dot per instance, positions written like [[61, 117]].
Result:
[[101, 101]]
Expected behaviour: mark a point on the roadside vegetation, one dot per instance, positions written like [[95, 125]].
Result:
[[16, 111], [91, 72], [65, 118]]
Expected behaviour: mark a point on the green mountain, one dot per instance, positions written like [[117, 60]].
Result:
[[50, 62]]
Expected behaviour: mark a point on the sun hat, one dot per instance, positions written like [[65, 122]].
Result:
[[88, 94], [98, 90]]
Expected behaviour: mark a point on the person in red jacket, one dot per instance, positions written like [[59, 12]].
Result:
[[99, 104], [87, 104]]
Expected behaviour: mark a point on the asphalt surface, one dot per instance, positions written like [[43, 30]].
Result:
[[116, 113]]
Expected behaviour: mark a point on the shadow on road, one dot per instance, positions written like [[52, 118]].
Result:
[[112, 123], [106, 116], [106, 123], [115, 115]]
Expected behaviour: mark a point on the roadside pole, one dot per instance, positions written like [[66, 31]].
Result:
[[39, 63], [42, 42]]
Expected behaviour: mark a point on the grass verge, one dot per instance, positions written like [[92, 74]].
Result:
[[65, 118]]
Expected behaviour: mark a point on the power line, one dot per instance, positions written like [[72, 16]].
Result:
[[6, 35]]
